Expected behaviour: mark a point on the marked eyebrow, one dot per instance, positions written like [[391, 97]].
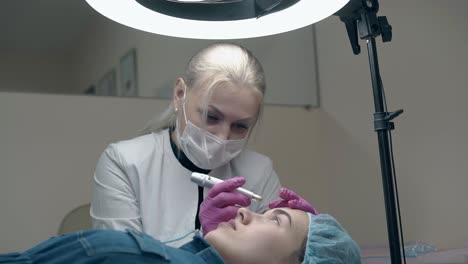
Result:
[[282, 212]]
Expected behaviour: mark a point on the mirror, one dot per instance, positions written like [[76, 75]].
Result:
[[66, 47]]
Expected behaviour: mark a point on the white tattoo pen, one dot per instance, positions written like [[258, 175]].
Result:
[[208, 182]]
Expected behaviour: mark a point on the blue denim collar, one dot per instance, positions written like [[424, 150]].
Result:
[[148, 244], [200, 247]]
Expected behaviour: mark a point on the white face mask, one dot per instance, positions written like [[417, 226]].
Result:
[[204, 149]]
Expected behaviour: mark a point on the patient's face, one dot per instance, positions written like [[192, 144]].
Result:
[[254, 238]]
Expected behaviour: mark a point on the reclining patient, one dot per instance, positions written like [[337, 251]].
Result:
[[280, 235]]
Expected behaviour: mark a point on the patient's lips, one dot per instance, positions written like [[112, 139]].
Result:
[[231, 224]]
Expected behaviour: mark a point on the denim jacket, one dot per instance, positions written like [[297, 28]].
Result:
[[109, 246]]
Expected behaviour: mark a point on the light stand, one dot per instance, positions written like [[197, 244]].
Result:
[[361, 15]]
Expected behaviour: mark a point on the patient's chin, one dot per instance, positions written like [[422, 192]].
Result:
[[216, 236], [210, 236]]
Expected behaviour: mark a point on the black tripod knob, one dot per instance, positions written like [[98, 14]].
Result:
[[385, 29]]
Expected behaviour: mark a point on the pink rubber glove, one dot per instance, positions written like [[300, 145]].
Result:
[[292, 200], [221, 204]]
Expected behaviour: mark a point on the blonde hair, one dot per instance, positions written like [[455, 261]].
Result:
[[212, 67]]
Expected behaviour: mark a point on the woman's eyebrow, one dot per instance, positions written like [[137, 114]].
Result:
[[217, 111], [213, 108], [282, 212]]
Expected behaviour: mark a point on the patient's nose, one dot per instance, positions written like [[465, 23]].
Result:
[[244, 215]]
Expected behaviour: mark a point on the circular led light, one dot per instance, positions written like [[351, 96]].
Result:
[[133, 14]]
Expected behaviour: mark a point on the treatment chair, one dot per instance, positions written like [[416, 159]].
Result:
[[77, 219]]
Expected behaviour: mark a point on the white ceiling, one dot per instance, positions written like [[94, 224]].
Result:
[[43, 25]]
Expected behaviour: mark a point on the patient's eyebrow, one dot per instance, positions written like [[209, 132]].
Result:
[[282, 212]]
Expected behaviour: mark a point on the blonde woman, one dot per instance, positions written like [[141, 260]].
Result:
[[144, 183]]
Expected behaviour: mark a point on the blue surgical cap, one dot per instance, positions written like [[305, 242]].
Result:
[[329, 243]]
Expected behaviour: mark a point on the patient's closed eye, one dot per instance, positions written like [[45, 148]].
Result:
[[279, 212], [276, 220]]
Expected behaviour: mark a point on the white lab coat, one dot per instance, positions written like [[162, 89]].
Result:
[[140, 184]]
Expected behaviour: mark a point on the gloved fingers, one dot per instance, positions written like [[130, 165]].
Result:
[[226, 186], [226, 214], [229, 212], [278, 203], [302, 205], [292, 200], [225, 199], [222, 215], [287, 194]]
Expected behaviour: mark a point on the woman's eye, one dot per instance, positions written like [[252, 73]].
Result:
[[211, 118], [241, 127]]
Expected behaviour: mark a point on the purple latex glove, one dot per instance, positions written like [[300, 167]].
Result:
[[221, 204], [292, 200]]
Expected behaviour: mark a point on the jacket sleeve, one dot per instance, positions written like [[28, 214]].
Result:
[[114, 204]]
